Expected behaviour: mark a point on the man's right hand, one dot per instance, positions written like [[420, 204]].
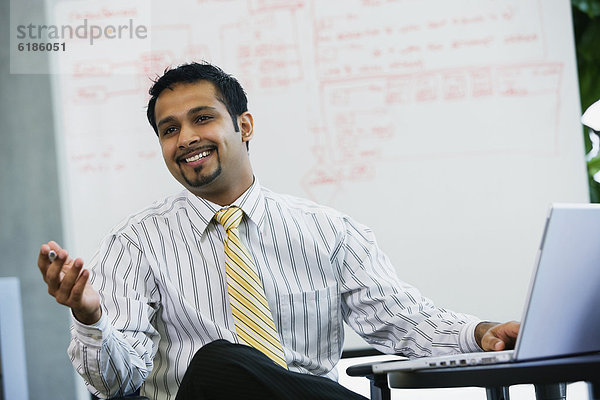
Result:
[[69, 283]]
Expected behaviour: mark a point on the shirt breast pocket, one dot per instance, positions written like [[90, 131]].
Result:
[[310, 328]]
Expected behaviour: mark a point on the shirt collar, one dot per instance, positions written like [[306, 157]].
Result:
[[252, 202]]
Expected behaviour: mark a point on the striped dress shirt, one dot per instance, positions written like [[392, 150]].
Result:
[[161, 279]]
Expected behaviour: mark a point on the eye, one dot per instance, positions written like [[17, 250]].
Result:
[[203, 118], [169, 130]]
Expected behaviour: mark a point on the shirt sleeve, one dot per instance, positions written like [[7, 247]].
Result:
[[390, 314], [115, 355]]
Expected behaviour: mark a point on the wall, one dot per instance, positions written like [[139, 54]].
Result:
[[30, 214]]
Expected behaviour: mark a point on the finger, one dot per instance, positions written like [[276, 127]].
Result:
[[63, 294], [485, 342], [507, 330], [67, 265], [79, 287], [489, 342], [54, 246], [513, 328], [501, 337], [499, 345], [43, 260], [52, 276]]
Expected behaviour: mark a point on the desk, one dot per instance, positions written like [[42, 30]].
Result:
[[548, 376]]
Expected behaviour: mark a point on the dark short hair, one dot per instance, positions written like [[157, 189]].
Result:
[[229, 90]]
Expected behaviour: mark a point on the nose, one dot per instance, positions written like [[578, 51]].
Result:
[[187, 136]]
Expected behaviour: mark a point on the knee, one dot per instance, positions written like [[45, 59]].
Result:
[[221, 367], [210, 354], [220, 355]]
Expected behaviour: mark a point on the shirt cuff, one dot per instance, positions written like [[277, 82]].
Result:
[[466, 338], [91, 335]]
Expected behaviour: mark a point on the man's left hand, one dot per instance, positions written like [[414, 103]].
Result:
[[494, 336]]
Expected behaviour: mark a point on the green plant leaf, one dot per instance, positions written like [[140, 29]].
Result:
[[586, 27], [590, 7], [594, 166]]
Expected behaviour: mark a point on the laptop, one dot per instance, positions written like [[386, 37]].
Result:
[[562, 312]]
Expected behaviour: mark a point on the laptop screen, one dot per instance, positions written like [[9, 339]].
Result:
[[562, 315]]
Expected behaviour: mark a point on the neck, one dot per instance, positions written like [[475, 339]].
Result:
[[226, 196]]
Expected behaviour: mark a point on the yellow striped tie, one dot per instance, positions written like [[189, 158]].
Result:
[[253, 320]]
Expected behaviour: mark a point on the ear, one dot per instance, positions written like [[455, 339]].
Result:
[[246, 124]]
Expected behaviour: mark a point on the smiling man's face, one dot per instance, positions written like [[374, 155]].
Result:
[[200, 145]]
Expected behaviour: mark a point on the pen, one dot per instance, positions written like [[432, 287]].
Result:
[[52, 255]]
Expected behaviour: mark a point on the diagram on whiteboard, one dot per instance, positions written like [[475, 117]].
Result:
[[432, 105]]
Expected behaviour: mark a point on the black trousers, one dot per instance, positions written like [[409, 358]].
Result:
[[223, 370]]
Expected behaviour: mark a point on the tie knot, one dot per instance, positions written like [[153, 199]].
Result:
[[229, 217]]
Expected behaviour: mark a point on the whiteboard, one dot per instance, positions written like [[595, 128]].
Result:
[[460, 117]]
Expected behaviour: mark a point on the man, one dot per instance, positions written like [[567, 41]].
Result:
[[164, 283]]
